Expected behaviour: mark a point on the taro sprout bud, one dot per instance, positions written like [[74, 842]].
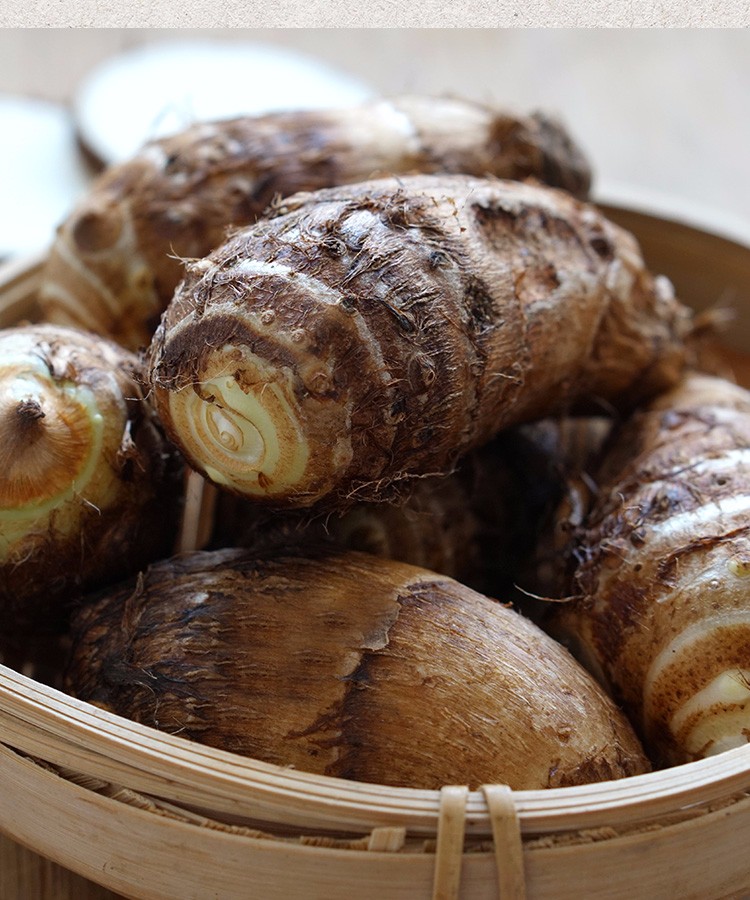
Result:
[[88, 486]]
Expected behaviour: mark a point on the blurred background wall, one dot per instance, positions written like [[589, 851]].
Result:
[[664, 114]]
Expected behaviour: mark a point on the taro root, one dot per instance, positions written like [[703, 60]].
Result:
[[89, 489], [118, 257], [434, 527], [478, 524], [661, 608], [375, 333], [572, 448], [343, 664]]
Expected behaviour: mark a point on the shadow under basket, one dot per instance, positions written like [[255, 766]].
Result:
[[151, 815]]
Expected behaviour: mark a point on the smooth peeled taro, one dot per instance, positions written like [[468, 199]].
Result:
[[344, 664], [89, 488]]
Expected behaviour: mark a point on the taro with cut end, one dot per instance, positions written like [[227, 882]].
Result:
[[367, 335], [89, 486]]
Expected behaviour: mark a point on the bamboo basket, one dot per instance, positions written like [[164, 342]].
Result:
[[150, 815]]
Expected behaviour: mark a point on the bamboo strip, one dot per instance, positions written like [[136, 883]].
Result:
[[450, 842], [197, 514], [506, 834], [151, 857], [47, 723], [386, 840]]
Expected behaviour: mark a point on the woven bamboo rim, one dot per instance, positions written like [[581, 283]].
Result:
[[149, 814]]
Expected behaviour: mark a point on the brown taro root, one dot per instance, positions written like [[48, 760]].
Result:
[[376, 332], [663, 607], [89, 487], [435, 527], [477, 524], [343, 664], [117, 259], [572, 449]]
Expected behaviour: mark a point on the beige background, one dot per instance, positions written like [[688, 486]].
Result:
[[379, 13], [664, 114]]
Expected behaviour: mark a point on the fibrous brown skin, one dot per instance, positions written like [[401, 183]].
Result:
[[89, 485], [435, 527], [571, 448], [117, 259], [663, 613], [476, 524], [371, 333], [343, 664]]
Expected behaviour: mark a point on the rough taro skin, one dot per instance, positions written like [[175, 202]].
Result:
[[119, 256], [343, 664], [478, 525], [661, 594], [370, 334]]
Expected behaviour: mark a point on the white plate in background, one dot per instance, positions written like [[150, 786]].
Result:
[[41, 172], [157, 89]]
